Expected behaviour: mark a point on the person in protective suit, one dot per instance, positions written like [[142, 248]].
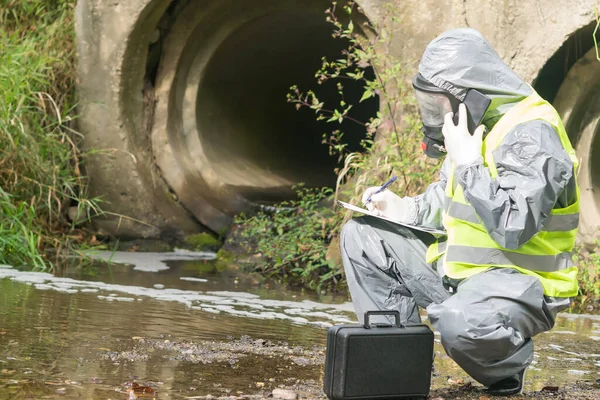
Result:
[[508, 200]]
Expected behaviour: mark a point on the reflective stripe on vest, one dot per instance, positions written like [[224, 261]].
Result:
[[497, 257], [547, 255], [554, 222]]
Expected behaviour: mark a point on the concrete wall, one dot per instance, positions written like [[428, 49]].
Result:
[[525, 33]]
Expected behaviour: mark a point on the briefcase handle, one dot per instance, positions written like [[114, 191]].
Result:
[[396, 315]]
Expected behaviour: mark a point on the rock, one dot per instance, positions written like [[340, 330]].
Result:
[[77, 215], [284, 394], [553, 389], [333, 256]]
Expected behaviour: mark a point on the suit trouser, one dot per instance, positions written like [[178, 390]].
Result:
[[485, 326]]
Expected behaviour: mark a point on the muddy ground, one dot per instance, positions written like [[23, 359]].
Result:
[[289, 372]]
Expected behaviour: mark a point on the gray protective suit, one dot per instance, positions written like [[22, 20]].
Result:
[[485, 321]]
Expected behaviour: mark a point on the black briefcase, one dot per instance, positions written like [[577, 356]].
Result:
[[379, 361]]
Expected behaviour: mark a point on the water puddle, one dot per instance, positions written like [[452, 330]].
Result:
[[189, 329]]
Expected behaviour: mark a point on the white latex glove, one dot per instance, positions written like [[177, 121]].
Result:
[[462, 147], [390, 205]]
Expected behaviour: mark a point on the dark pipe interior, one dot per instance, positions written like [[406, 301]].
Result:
[[248, 130], [593, 112], [554, 72]]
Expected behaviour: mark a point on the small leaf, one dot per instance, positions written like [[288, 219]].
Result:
[[366, 95]]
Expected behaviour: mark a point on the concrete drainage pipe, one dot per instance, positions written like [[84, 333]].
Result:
[[578, 102], [186, 103]]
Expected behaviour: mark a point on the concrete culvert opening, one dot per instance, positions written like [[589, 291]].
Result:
[[224, 135], [255, 141], [577, 99]]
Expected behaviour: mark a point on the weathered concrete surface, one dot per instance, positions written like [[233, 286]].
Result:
[[112, 40], [187, 149], [578, 101]]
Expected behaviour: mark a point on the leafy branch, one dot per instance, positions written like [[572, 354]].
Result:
[[367, 60]]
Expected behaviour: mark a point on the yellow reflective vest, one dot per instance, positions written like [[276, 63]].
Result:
[[547, 255]]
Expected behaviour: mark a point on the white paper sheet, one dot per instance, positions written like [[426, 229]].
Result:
[[371, 213]]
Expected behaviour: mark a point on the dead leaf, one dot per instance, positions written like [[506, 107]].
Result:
[[141, 391]]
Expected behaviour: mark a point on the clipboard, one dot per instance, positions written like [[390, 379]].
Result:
[[371, 213]]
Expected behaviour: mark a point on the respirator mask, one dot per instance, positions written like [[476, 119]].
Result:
[[434, 103]]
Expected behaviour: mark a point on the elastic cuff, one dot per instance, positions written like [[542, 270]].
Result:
[[412, 211], [460, 169]]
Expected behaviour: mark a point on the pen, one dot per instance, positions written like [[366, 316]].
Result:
[[381, 189]]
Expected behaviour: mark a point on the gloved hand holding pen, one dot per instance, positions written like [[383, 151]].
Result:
[[389, 205]]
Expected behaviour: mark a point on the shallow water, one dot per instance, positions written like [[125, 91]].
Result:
[[85, 332]]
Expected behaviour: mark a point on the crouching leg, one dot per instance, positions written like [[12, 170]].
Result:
[[487, 326], [386, 270]]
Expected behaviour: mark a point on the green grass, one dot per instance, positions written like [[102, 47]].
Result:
[[39, 158]]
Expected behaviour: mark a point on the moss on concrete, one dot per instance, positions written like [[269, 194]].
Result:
[[226, 256], [200, 266], [203, 242]]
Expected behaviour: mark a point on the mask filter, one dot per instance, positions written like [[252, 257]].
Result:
[[433, 147]]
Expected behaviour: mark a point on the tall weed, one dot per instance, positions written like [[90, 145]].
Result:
[[39, 158]]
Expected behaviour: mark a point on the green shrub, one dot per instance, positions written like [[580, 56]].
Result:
[[588, 263], [293, 241]]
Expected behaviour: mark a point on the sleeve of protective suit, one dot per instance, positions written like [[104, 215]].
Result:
[[533, 171], [430, 204]]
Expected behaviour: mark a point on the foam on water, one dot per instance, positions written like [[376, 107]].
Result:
[[228, 302], [150, 262]]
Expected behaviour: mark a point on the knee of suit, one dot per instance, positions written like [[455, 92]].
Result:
[[349, 239], [349, 232], [453, 333], [455, 330]]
